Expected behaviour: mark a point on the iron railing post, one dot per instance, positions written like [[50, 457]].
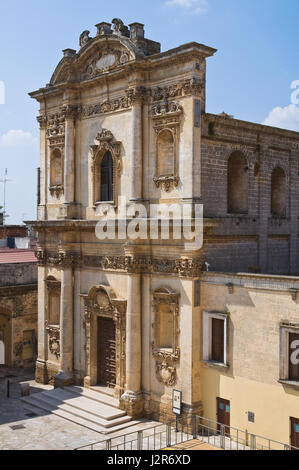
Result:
[[252, 442], [194, 426], [108, 444], [222, 436], [140, 440], [168, 435]]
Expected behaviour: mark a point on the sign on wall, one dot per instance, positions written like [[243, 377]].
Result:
[[177, 402]]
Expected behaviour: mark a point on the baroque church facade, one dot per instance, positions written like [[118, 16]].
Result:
[[121, 119]]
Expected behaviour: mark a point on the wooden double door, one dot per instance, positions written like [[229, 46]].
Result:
[[106, 352]]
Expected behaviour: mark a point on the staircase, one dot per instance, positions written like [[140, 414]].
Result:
[[95, 410]]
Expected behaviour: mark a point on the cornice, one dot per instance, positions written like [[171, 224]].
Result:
[[183, 267], [7, 291]]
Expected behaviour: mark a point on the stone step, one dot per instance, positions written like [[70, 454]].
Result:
[[53, 405], [81, 402], [94, 395], [32, 404]]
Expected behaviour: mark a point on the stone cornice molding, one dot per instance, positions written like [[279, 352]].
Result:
[[183, 267]]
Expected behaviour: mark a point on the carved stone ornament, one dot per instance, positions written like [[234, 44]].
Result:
[[61, 259], [166, 374], [54, 340], [56, 190], [183, 267], [101, 301], [84, 38], [106, 60], [166, 108], [166, 183], [191, 86], [166, 360]]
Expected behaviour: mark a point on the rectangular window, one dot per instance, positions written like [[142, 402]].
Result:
[[289, 353], [197, 293], [215, 338], [294, 357]]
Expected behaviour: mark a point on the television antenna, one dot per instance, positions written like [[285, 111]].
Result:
[[4, 181]]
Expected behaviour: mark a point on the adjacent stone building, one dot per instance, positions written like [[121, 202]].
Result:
[[123, 123], [18, 307]]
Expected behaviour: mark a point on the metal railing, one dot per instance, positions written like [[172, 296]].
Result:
[[169, 435]]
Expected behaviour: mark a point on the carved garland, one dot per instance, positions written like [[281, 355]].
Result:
[[166, 361]]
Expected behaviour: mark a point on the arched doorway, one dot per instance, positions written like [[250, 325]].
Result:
[[105, 329]]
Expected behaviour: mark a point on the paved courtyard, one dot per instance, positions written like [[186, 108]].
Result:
[[25, 428]]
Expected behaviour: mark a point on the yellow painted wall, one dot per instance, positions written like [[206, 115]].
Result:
[[251, 382]]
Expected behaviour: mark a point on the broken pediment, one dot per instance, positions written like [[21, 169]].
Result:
[[114, 46]]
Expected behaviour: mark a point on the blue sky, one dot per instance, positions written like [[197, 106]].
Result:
[[249, 77]]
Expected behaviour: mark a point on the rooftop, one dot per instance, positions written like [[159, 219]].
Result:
[[15, 256]]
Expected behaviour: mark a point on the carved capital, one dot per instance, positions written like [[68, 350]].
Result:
[[42, 120], [167, 182], [137, 95], [56, 190]]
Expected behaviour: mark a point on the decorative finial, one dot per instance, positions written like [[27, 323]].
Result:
[[84, 38]]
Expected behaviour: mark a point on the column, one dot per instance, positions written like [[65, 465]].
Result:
[[42, 347], [131, 401], [65, 375], [264, 209], [137, 146], [41, 210], [294, 209], [69, 163]]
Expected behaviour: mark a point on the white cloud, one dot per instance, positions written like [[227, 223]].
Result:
[[17, 138], [198, 7], [285, 118]]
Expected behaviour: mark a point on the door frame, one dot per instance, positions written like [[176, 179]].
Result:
[[226, 402], [101, 364], [102, 302]]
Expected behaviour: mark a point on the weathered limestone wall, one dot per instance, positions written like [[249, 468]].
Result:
[[18, 274], [18, 314]]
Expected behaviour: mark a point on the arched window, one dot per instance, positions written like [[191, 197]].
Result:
[[278, 193], [56, 168], [237, 184], [106, 178], [165, 153]]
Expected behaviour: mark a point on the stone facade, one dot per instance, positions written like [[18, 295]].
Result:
[[258, 240], [119, 110]]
